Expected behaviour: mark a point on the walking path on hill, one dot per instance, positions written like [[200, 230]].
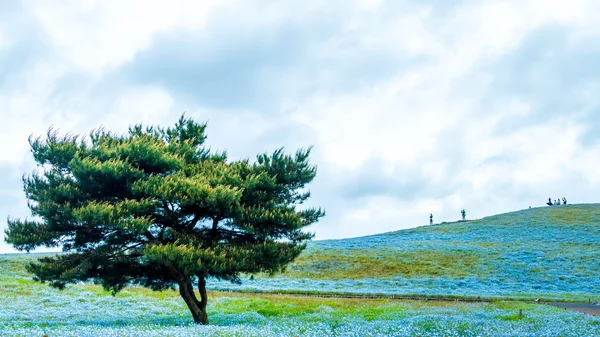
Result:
[[378, 297], [382, 297], [586, 308]]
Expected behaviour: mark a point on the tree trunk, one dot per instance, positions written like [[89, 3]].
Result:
[[202, 290], [197, 308]]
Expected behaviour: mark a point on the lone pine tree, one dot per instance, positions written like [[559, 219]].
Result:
[[155, 207]]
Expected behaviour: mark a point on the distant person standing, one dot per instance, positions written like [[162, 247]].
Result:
[[464, 215], [430, 219], [564, 201]]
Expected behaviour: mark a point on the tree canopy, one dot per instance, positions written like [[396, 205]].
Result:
[[157, 208]]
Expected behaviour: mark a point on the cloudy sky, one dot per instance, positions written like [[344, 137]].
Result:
[[413, 107]]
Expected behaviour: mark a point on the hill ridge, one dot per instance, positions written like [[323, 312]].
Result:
[[459, 222], [542, 252]]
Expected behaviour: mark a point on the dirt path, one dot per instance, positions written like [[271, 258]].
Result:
[[586, 308], [375, 297]]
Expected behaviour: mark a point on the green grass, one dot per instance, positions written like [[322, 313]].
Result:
[[339, 264]]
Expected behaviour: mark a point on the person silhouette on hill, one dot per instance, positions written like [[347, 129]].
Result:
[[564, 201], [464, 215], [430, 219], [549, 203]]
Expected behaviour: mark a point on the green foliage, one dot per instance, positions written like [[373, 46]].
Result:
[[359, 263], [157, 208]]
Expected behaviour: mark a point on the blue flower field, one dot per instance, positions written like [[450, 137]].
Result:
[[32, 309], [547, 253]]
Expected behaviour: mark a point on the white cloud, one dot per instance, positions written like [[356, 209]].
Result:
[[389, 122], [95, 34], [24, 110], [148, 105], [401, 119]]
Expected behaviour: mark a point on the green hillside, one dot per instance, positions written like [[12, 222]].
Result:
[[551, 252]]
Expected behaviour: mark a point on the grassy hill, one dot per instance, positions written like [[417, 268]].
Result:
[[544, 252], [28, 308], [549, 252]]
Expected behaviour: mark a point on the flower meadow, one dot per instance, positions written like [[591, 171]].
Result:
[[548, 253], [28, 308]]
